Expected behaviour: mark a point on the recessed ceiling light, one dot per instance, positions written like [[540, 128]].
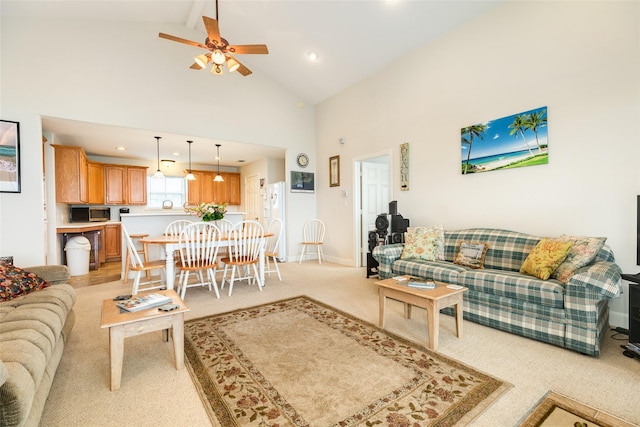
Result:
[[313, 56], [121, 148], [176, 154]]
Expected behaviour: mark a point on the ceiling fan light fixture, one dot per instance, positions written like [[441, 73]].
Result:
[[216, 69], [218, 57], [232, 64], [202, 60]]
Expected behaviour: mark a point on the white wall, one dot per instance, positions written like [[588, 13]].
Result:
[[581, 59], [122, 74]]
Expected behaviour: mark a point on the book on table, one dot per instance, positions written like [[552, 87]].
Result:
[[419, 283], [142, 302]]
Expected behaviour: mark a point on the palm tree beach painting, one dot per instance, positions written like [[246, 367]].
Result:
[[506, 143], [9, 157]]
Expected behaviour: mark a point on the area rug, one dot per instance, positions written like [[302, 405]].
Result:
[[556, 410], [299, 362]]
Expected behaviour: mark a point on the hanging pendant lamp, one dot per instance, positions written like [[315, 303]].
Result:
[[218, 177], [158, 173], [190, 176]]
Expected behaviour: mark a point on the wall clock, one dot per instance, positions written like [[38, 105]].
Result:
[[303, 160]]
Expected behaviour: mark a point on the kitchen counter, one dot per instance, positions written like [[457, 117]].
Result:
[[82, 227], [170, 212]]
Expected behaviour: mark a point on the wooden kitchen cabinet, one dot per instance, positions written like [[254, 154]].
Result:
[[95, 183], [113, 242], [125, 185], [205, 190], [71, 170]]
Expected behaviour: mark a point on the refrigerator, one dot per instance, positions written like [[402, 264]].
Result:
[[274, 207]]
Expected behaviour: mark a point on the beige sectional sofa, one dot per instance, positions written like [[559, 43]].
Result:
[[33, 331]]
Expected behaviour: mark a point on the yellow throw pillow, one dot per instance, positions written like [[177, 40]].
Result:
[[545, 258], [471, 254], [422, 246]]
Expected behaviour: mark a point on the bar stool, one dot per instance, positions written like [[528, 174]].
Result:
[[143, 251]]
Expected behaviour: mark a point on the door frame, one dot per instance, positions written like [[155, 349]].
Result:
[[357, 198]]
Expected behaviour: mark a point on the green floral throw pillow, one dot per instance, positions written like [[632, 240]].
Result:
[[545, 258], [438, 231], [583, 251], [420, 246]]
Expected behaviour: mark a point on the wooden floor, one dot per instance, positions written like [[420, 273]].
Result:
[[109, 272]]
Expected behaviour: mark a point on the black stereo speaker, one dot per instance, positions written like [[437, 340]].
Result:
[[383, 225], [373, 240], [634, 313]]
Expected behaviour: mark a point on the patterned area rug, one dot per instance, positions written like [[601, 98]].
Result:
[[298, 362], [556, 410]]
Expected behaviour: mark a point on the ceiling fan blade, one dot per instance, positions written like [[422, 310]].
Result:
[[179, 40], [212, 28], [239, 67], [195, 66], [248, 48]]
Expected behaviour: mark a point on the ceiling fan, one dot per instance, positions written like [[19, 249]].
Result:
[[219, 49]]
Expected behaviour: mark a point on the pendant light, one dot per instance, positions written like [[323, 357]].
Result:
[[189, 176], [158, 173], [218, 177]]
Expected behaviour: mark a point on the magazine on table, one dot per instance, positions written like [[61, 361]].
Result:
[[142, 302], [419, 283]]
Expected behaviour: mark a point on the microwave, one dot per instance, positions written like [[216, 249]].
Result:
[[89, 214]]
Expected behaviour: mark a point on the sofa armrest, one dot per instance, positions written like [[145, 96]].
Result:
[[386, 255], [54, 274], [600, 278]]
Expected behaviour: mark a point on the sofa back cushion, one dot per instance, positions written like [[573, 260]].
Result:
[[507, 249]]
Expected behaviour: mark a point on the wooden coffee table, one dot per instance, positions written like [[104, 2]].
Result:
[[123, 324], [433, 300]]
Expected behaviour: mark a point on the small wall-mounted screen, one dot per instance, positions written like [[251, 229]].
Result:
[[302, 182]]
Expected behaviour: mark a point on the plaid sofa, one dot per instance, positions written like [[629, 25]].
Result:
[[574, 315]]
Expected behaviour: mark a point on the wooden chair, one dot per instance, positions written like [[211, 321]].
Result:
[[313, 235], [142, 251], [225, 226], [245, 242], [134, 263], [273, 244], [199, 243]]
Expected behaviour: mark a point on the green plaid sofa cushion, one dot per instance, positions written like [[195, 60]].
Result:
[[507, 249], [549, 293], [434, 270]]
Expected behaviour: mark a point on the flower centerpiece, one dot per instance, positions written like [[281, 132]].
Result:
[[209, 211]]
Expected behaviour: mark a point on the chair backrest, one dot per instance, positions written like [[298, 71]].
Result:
[[273, 242], [196, 248], [246, 240], [175, 228], [313, 231], [134, 256], [224, 225]]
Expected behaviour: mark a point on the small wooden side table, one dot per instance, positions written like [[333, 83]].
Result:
[[433, 300], [123, 324]]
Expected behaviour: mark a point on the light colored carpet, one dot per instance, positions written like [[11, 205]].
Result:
[[154, 393], [298, 362]]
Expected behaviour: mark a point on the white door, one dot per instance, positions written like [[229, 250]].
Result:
[[375, 198], [252, 197]]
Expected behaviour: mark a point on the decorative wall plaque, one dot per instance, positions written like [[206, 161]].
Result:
[[404, 167]]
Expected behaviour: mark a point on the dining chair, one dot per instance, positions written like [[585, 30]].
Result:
[[142, 251], [272, 247], [199, 243], [173, 229], [313, 236], [136, 264], [225, 226], [245, 242]]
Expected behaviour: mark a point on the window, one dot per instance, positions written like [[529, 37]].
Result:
[[170, 188]]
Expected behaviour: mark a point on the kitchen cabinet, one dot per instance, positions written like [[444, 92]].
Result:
[[204, 189], [71, 171], [125, 185], [95, 183], [112, 242]]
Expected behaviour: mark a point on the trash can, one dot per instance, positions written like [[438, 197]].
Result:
[[78, 249]]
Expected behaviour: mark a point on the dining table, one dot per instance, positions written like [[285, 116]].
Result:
[[172, 243]]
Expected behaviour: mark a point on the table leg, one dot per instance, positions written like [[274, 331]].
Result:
[[178, 339], [261, 263], [381, 306], [407, 310], [459, 311], [116, 353], [170, 267], [433, 323]]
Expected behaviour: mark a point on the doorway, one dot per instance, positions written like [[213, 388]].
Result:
[[373, 192]]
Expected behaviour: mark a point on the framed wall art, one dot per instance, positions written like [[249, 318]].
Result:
[[334, 171], [404, 167], [506, 143], [9, 157]]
